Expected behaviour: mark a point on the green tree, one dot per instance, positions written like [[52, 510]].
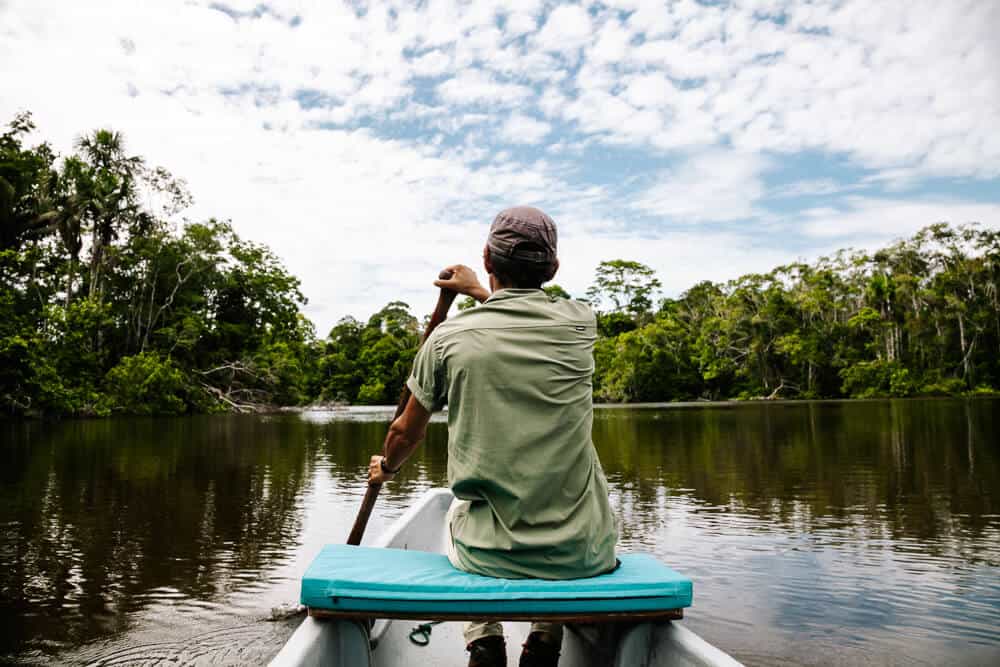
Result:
[[146, 384], [24, 175], [624, 287], [554, 290], [101, 295]]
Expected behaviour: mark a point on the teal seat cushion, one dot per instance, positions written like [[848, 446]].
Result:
[[366, 579]]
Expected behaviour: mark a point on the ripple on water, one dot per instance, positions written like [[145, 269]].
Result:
[[246, 644]]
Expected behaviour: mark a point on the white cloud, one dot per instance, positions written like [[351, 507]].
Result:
[[520, 17], [650, 90], [904, 85], [612, 43], [714, 186], [432, 63], [809, 188], [567, 27], [476, 86], [521, 129], [870, 220]]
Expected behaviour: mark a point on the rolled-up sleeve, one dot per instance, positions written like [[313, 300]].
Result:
[[427, 382]]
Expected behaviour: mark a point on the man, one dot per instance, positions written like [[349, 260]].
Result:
[[516, 374]]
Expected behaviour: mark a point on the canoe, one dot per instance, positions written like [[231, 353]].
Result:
[[342, 641]]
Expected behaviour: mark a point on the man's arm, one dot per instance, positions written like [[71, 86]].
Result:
[[405, 434]]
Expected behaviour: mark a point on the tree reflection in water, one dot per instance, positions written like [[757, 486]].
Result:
[[101, 518]]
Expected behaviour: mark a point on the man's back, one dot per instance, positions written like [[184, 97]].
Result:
[[516, 373]]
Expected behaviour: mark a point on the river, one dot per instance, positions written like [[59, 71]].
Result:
[[815, 533]]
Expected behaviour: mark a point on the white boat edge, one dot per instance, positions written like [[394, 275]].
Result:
[[329, 642]]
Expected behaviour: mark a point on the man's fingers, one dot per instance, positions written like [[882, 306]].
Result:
[[374, 470], [449, 282], [462, 279], [375, 473]]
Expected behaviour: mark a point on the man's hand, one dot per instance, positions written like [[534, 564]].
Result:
[[405, 433], [375, 473], [464, 281]]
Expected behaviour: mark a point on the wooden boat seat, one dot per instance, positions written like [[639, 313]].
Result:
[[366, 582]]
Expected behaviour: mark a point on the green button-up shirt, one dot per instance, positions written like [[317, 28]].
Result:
[[516, 373]]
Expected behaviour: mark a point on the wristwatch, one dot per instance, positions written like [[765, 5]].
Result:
[[387, 471]]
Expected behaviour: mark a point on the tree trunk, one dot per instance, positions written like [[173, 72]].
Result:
[[95, 259], [961, 340], [69, 280], [996, 314]]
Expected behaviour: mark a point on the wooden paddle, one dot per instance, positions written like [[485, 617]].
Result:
[[445, 299]]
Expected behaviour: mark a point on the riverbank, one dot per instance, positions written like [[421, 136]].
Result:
[[340, 407]]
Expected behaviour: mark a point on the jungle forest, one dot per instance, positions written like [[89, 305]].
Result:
[[109, 307]]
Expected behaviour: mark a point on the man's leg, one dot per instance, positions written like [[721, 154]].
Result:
[[543, 644], [553, 630], [483, 639], [478, 629], [485, 644], [475, 629], [449, 542]]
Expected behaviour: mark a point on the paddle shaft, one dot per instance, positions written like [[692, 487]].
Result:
[[445, 299]]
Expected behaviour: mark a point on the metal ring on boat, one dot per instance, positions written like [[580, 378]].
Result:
[[421, 635]]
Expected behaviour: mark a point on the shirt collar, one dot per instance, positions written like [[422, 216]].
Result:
[[512, 293]]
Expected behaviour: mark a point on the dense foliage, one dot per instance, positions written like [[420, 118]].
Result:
[[107, 305], [920, 317]]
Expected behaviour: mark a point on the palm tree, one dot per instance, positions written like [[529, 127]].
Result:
[[107, 183]]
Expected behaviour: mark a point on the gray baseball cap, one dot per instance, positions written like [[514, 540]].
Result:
[[523, 234]]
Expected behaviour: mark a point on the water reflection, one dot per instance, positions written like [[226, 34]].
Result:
[[927, 470], [821, 532], [103, 518], [815, 532]]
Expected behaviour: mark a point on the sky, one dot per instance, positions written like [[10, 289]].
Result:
[[369, 144]]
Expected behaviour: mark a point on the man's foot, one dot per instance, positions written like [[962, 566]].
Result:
[[488, 652], [540, 650]]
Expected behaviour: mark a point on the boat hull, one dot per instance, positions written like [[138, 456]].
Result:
[[342, 642]]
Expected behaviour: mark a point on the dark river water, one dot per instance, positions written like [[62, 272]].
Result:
[[815, 533]]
